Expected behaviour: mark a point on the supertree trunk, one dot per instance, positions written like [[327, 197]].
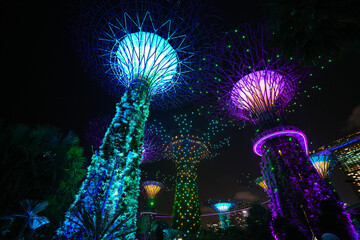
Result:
[[186, 212], [295, 188], [146, 219], [224, 220], [114, 176]]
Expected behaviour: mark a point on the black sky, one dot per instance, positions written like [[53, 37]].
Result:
[[43, 82]]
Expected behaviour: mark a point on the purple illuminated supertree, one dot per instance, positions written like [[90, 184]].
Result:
[[143, 51], [257, 86]]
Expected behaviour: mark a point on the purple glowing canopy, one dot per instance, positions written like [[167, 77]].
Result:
[[260, 91], [255, 80]]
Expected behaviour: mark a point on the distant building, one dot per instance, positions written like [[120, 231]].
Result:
[[214, 226], [238, 219], [346, 151]]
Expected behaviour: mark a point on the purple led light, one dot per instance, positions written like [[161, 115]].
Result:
[[259, 91], [300, 136]]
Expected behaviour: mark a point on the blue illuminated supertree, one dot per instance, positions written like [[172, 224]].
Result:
[[323, 162], [143, 52], [257, 85], [188, 145], [153, 142], [223, 208]]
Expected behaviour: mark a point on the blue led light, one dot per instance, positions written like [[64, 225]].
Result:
[[332, 149], [144, 55], [222, 207]]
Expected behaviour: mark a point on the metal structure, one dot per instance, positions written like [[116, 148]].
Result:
[[323, 163], [258, 86], [222, 208], [261, 182], [142, 51], [187, 146], [346, 154], [150, 190], [153, 143]]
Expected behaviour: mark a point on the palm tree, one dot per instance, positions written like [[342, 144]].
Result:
[[157, 228], [39, 163], [172, 234], [99, 225], [29, 217]]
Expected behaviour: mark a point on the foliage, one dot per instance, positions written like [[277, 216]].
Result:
[[39, 163], [314, 30], [157, 229], [206, 235], [172, 234], [258, 222], [113, 177], [231, 233], [100, 225], [27, 220], [333, 219]]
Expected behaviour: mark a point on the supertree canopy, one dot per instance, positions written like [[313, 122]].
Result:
[[322, 162], [261, 182], [158, 45], [187, 147], [143, 52], [222, 208], [150, 190], [257, 86]]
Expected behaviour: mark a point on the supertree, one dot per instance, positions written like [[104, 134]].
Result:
[[188, 145], [257, 86], [323, 163], [150, 190], [153, 142], [261, 182], [143, 52], [223, 208], [153, 149]]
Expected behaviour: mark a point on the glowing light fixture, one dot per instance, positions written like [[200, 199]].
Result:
[[222, 207], [322, 163], [151, 189], [258, 91], [276, 132], [147, 56], [261, 182]]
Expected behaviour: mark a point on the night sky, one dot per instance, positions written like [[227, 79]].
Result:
[[43, 82]]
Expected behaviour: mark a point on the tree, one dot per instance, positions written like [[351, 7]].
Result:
[[314, 30], [39, 163], [157, 229], [29, 219], [100, 224], [258, 223], [172, 234], [231, 233]]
